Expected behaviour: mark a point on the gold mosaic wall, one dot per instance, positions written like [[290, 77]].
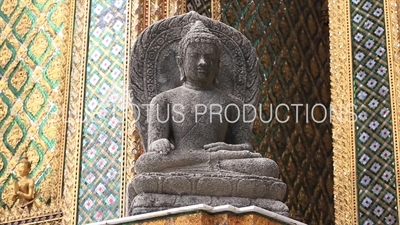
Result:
[[35, 46], [291, 41]]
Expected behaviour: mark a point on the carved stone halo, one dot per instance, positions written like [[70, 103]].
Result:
[[153, 67]]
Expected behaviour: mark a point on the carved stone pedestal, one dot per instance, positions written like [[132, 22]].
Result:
[[149, 202], [151, 192]]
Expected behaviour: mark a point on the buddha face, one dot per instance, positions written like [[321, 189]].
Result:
[[201, 63]]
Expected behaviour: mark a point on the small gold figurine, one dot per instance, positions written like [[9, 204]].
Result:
[[24, 187]]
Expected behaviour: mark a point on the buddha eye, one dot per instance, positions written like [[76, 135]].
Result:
[[193, 55], [210, 56]]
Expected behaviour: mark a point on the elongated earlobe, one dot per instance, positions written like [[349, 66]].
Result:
[[179, 61], [216, 76]]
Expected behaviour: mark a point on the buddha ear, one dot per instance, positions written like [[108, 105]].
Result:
[[179, 61], [216, 76]]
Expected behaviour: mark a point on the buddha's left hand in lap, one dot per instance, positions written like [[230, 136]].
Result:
[[213, 147], [162, 146]]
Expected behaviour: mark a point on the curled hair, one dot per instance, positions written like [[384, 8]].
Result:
[[198, 33]]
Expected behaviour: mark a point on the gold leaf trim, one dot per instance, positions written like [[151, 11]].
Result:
[[345, 195], [392, 40], [175, 7], [75, 114], [216, 9], [125, 128]]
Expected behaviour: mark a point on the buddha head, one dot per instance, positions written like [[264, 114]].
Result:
[[24, 166], [198, 57]]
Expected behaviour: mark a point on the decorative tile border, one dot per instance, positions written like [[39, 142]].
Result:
[[365, 191], [392, 39], [99, 188], [75, 113], [376, 184]]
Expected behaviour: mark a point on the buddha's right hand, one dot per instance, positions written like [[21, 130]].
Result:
[[162, 146], [213, 147]]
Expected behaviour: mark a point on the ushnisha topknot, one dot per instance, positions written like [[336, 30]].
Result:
[[198, 33]]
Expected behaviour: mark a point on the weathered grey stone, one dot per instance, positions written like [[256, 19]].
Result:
[[236, 185], [185, 200], [213, 186], [156, 200], [141, 210], [165, 201], [130, 195], [154, 67], [190, 61], [234, 201], [251, 188], [176, 185], [142, 184], [279, 191], [271, 205]]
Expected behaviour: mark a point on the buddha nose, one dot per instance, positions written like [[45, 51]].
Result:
[[202, 61]]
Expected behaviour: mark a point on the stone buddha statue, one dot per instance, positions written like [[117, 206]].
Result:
[[184, 134], [197, 74]]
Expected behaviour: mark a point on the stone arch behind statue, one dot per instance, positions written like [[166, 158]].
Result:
[[153, 60]]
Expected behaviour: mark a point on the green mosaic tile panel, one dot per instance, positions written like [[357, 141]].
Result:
[[100, 178], [376, 184]]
